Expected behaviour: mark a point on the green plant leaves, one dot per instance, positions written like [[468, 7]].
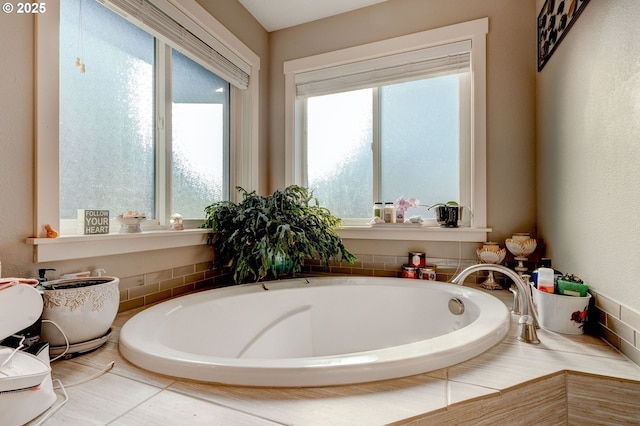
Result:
[[255, 235], [448, 203]]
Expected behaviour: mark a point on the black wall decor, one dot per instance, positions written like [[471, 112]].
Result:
[[554, 22]]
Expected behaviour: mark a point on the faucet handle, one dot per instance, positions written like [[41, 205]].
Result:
[[528, 332], [515, 307]]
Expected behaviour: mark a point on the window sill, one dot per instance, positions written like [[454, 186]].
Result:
[[83, 246], [413, 232]]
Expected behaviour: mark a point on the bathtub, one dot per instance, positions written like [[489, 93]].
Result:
[[314, 331]]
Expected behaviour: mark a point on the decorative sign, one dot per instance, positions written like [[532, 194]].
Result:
[[554, 22], [91, 222]]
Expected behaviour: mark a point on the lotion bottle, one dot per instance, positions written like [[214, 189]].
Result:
[[545, 280], [546, 263]]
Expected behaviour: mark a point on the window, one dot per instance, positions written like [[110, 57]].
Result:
[[402, 117], [200, 137], [159, 115], [106, 114], [108, 117], [415, 136]]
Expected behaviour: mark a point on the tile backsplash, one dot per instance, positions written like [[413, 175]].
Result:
[[387, 266], [618, 325], [145, 289]]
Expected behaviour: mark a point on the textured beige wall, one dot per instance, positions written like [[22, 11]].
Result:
[[510, 100], [16, 142], [589, 150]]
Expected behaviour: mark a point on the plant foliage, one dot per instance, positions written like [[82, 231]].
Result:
[[256, 236]]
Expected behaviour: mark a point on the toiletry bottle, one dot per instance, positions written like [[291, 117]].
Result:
[[389, 212], [545, 262], [378, 210], [545, 280]]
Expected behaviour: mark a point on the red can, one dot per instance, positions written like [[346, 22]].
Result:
[[416, 259], [409, 272]]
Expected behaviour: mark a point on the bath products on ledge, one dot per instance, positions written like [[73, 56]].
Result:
[[378, 210], [546, 263], [389, 213], [572, 289], [572, 285], [545, 280]]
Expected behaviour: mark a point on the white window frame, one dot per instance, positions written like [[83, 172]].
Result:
[[476, 32], [244, 160]]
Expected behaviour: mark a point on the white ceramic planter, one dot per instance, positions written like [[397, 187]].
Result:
[[84, 308]]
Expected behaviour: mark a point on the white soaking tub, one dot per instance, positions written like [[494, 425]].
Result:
[[314, 331]]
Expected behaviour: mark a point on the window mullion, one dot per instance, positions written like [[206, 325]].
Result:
[[466, 135], [303, 146], [375, 145], [163, 131]]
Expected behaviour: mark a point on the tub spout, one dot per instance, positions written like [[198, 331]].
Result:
[[529, 319]]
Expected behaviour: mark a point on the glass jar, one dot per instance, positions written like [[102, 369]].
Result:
[[378, 210], [389, 213]]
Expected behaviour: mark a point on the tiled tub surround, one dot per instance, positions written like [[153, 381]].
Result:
[[618, 324], [564, 380], [146, 289], [387, 266]]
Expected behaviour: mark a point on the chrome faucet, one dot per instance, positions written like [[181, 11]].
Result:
[[529, 320]]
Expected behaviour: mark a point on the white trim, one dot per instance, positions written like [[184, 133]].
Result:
[[392, 46], [84, 246], [47, 119], [475, 31], [176, 10], [413, 232], [211, 25]]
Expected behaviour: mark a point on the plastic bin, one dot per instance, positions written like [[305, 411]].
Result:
[[560, 313]]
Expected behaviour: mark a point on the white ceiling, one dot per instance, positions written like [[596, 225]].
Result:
[[278, 14]]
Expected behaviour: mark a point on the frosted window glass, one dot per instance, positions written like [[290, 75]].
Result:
[[107, 158], [419, 140], [200, 105], [339, 156], [419, 146]]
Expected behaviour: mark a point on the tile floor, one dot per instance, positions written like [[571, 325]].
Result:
[[127, 395]]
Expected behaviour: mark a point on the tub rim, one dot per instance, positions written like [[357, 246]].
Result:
[[403, 360]]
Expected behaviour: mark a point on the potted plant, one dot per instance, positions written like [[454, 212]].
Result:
[[447, 214], [264, 236]]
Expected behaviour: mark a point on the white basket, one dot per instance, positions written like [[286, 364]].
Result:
[[560, 313]]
